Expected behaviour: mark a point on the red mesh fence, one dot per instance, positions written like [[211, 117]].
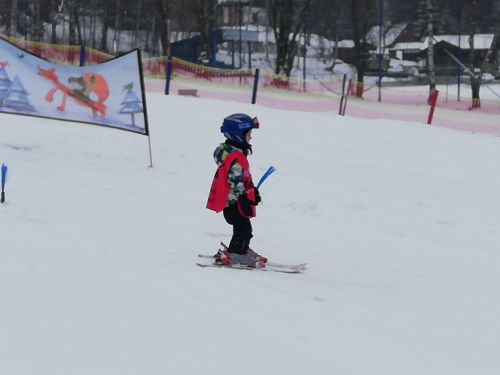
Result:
[[405, 103]]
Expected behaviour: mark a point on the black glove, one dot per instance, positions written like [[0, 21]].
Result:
[[245, 205], [258, 199]]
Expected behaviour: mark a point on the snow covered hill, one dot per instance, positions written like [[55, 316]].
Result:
[[397, 221]]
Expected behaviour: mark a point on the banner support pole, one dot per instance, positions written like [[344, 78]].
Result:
[[150, 152]]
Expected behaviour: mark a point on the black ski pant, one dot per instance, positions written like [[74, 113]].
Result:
[[242, 230]]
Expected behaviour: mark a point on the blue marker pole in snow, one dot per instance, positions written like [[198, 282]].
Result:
[[169, 75], [82, 55], [255, 86], [4, 177], [269, 172]]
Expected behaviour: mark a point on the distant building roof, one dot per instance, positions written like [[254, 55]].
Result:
[[391, 33], [481, 41]]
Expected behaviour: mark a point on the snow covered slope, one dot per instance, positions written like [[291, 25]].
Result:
[[397, 221]]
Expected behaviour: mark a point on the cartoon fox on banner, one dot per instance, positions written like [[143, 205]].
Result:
[[110, 94], [83, 87]]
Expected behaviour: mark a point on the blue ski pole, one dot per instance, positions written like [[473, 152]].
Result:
[[4, 177], [269, 172]]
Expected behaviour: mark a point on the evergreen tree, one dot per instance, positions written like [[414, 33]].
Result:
[[131, 105], [5, 83], [17, 97]]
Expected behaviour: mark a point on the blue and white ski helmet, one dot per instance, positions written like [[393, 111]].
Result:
[[237, 125]]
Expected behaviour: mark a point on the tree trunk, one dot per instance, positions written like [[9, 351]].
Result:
[[53, 22], [11, 23], [72, 25], [138, 19], [105, 25], [116, 35], [284, 14], [336, 48], [475, 77], [359, 48], [93, 23], [431, 71], [475, 85], [37, 29], [76, 18], [163, 9]]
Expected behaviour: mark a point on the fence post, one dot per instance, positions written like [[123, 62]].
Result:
[[349, 89], [255, 85], [434, 97], [169, 75], [82, 55], [343, 94]]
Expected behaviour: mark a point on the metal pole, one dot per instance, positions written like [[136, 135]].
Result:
[[342, 97], [255, 86], [267, 29], [381, 47], [459, 68], [169, 75], [305, 50], [239, 24], [150, 152]]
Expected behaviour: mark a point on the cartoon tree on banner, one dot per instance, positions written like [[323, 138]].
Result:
[[18, 97], [131, 103], [5, 82]]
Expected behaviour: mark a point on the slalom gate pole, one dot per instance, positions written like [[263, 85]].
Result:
[[343, 94], [255, 85], [4, 178], [82, 55], [349, 89], [434, 97], [169, 75]]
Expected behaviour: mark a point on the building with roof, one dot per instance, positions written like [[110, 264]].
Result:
[[444, 45]]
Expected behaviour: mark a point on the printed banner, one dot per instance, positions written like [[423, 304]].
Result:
[[109, 94]]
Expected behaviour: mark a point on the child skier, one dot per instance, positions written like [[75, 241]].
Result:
[[233, 191]]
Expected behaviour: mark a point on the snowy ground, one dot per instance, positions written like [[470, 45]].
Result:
[[397, 221]]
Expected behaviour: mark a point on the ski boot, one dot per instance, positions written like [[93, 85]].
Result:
[[260, 260], [249, 259], [222, 257]]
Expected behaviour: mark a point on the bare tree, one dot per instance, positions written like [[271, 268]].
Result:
[[163, 7], [288, 17], [426, 24], [362, 12], [431, 71], [13, 15], [53, 21], [208, 25], [477, 64]]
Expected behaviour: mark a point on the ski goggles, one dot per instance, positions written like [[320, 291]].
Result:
[[255, 123]]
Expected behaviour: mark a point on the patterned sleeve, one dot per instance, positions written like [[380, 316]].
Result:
[[218, 155], [236, 187]]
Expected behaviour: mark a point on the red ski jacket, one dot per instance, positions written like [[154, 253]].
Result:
[[219, 191]]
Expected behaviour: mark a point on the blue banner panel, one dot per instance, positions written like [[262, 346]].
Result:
[[109, 94]]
